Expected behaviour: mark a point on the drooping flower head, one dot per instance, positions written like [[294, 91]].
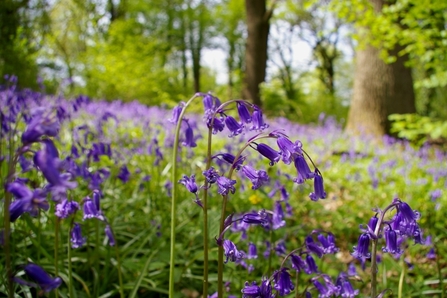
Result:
[[283, 283], [361, 251], [269, 153], [76, 236], [233, 126], [44, 122], [109, 234], [231, 252], [258, 120], [303, 170], [27, 201], [243, 112], [319, 192], [225, 185], [257, 178], [41, 278]]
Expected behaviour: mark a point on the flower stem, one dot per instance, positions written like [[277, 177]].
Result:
[[401, 280], [56, 251], [174, 180], [70, 273], [120, 277], [205, 217], [374, 269], [297, 283], [6, 217]]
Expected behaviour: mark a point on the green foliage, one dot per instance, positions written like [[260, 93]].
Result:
[[417, 26], [419, 129]]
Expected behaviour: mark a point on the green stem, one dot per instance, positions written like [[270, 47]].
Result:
[[297, 283], [174, 180], [401, 280], [374, 269], [205, 217], [118, 260], [6, 218], [6, 244], [96, 258], [56, 250], [70, 275]]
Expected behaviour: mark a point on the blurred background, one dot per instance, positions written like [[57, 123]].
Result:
[[357, 60]]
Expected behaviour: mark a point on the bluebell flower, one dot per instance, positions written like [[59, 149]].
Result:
[[231, 252], [211, 175], [257, 178], [217, 124], [41, 278], [257, 218], [91, 210], [371, 227], [345, 286], [283, 283], [124, 174], [298, 264], [255, 291], [361, 251], [280, 248], [66, 208], [431, 254], [252, 251], [42, 123], [76, 236], [229, 158], [27, 201], [278, 216], [311, 265], [303, 170], [233, 126], [109, 234], [243, 112], [189, 137], [269, 153], [288, 149], [225, 185], [319, 192], [352, 270], [258, 120], [391, 243], [407, 213], [190, 183], [328, 243], [314, 247], [176, 111], [25, 164], [47, 160]]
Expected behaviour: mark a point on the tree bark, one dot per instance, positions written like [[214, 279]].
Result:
[[258, 26], [380, 89]]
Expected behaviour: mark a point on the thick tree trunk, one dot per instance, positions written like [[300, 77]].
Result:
[[258, 26], [380, 89]]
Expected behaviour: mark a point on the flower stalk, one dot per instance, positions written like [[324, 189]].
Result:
[[174, 178]]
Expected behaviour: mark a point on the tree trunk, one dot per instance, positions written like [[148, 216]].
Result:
[[258, 26], [380, 89]]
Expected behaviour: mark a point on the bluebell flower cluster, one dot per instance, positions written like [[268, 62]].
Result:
[[402, 226]]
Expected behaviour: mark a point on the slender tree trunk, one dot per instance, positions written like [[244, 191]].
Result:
[[380, 89], [258, 26]]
